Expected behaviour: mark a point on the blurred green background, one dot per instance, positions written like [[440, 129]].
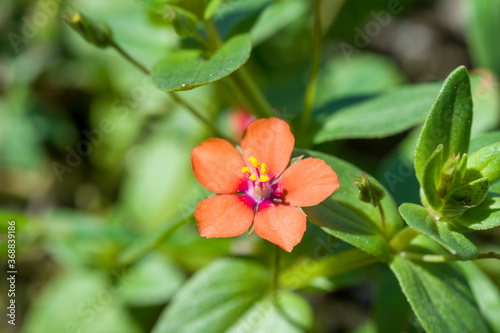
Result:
[[95, 161]]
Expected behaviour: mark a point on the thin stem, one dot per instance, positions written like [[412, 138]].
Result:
[[276, 269], [174, 96], [382, 217], [437, 258], [241, 81], [488, 255], [316, 55], [250, 93], [203, 42], [130, 59], [403, 238], [198, 115]]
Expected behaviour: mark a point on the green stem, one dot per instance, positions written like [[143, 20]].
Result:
[[382, 218], [403, 238], [250, 94], [198, 115], [140, 250], [276, 269], [213, 35], [437, 258], [174, 96], [130, 59], [241, 81], [316, 55], [301, 274]]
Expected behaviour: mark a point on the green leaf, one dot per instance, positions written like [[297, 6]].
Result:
[[484, 216], [485, 162], [382, 115], [154, 280], [361, 74], [302, 273], [159, 6], [454, 242], [391, 308], [141, 247], [229, 296], [439, 295], [486, 293], [276, 17], [286, 312], [431, 178], [186, 69], [346, 217], [483, 25], [470, 194], [448, 122], [84, 302], [211, 8], [486, 102]]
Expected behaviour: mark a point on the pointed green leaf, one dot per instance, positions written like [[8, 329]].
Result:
[[484, 216], [392, 310], [448, 122], [275, 17], [186, 69], [230, 295], [286, 312], [470, 194], [431, 178], [485, 162], [483, 25], [440, 296], [85, 301], [155, 280], [211, 8], [344, 216], [454, 242], [384, 114], [302, 273], [487, 294]]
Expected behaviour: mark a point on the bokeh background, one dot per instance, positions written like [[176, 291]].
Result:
[[95, 161]]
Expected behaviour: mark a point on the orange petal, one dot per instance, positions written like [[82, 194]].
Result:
[[280, 224], [271, 142], [224, 216], [307, 183], [217, 166]]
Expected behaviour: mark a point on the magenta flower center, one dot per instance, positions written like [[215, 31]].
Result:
[[259, 186]]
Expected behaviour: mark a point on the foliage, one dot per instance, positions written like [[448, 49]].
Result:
[[95, 148]]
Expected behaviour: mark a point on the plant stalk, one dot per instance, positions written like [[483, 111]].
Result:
[[174, 96], [241, 81], [316, 55]]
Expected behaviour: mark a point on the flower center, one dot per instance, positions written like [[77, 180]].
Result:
[[259, 182]]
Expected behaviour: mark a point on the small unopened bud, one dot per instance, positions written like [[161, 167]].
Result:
[[184, 22], [369, 189], [96, 33], [452, 173]]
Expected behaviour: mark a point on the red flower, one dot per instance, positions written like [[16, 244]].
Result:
[[238, 121], [256, 187]]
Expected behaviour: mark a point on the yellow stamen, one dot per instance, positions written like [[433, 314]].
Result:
[[76, 18], [263, 169], [263, 178], [246, 170], [253, 177], [254, 161]]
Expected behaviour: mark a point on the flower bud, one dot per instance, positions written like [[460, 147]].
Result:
[[369, 189], [96, 33], [452, 173], [184, 22]]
